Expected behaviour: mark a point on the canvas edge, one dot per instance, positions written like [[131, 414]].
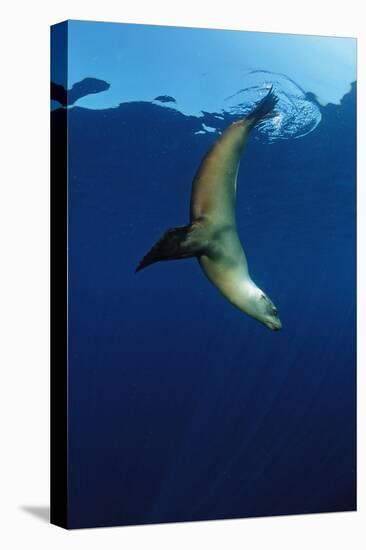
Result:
[[58, 313]]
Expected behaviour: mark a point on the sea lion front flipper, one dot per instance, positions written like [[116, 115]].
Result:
[[177, 243]]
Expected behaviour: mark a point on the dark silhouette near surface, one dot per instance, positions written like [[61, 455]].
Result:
[[83, 88], [165, 99]]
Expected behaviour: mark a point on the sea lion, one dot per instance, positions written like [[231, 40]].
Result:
[[211, 235]]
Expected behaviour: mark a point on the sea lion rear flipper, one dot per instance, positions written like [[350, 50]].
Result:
[[176, 244], [263, 109]]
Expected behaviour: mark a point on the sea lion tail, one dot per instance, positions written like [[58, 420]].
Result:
[[263, 109], [175, 244]]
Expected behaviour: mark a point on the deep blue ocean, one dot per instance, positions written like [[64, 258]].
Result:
[[181, 407]]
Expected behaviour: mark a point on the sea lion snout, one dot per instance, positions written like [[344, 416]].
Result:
[[274, 324], [266, 311]]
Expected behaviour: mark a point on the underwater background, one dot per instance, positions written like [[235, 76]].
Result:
[[180, 406]]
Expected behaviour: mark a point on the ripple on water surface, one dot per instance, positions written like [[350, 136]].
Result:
[[296, 113]]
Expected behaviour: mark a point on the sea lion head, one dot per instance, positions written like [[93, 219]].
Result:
[[263, 309]]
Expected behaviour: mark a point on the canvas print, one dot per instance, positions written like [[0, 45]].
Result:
[[203, 201]]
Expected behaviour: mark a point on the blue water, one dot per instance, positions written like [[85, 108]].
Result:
[[181, 407]]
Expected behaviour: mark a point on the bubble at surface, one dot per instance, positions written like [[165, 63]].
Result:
[[295, 114]]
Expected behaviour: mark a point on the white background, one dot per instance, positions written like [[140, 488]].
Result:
[[24, 275]]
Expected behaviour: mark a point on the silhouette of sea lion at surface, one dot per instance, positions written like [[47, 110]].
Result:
[[80, 89]]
